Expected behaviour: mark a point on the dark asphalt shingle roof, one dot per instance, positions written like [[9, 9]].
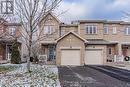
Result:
[[99, 41]]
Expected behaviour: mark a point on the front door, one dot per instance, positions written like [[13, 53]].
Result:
[[9, 51], [51, 52], [125, 50]]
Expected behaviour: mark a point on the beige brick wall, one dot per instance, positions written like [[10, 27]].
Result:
[[99, 34], [50, 20], [65, 43], [65, 29], [120, 36]]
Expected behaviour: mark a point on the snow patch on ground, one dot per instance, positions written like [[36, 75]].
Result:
[[41, 76]]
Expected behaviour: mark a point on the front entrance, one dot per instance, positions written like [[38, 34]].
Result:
[[51, 52], [126, 50], [8, 51]]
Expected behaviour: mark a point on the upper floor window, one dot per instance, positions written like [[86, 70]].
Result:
[[12, 31], [91, 29], [63, 32], [106, 29], [114, 30], [127, 31], [49, 29]]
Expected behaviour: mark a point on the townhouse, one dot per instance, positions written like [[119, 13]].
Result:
[[83, 42], [8, 33], [89, 42]]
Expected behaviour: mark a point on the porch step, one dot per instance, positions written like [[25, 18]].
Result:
[[120, 64], [3, 61]]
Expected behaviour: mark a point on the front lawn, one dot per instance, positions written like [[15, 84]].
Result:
[[40, 76], [3, 69], [7, 68]]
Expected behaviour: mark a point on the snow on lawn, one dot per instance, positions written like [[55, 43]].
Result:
[[40, 76]]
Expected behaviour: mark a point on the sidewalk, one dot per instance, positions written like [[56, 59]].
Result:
[[122, 65], [126, 67], [3, 61]]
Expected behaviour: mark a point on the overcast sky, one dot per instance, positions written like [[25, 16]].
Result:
[[94, 9]]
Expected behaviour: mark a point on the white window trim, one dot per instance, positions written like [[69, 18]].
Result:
[[114, 30], [127, 29], [106, 27], [12, 30], [48, 29], [63, 32], [92, 29]]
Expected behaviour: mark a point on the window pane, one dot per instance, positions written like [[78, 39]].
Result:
[[129, 31], [94, 29], [12, 31], [46, 29], [114, 30], [105, 29], [87, 29], [49, 29], [91, 29], [126, 31], [110, 51], [62, 32]]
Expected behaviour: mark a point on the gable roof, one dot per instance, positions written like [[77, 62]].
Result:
[[52, 16], [74, 35]]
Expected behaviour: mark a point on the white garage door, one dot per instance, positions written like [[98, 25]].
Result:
[[93, 57], [70, 57]]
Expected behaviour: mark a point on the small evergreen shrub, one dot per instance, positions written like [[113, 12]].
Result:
[[15, 55]]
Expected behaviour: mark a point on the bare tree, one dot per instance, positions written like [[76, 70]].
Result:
[[30, 13], [2, 22]]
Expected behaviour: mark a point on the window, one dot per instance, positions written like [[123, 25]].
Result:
[[114, 30], [12, 31], [127, 31], [49, 29], [7, 7], [106, 29], [62, 32], [91, 29], [109, 51]]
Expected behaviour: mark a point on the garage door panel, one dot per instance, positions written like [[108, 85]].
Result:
[[70, 57], [93, 57]]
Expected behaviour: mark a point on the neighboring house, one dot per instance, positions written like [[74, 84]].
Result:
[[8, 33], [93, 42]]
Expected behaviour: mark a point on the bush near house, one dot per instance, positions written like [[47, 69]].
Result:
[[15, 55]]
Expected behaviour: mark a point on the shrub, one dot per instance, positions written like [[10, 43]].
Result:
[[15, 55], [35, 59]]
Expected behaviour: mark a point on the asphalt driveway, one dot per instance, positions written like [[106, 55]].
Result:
[[93, 76]]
